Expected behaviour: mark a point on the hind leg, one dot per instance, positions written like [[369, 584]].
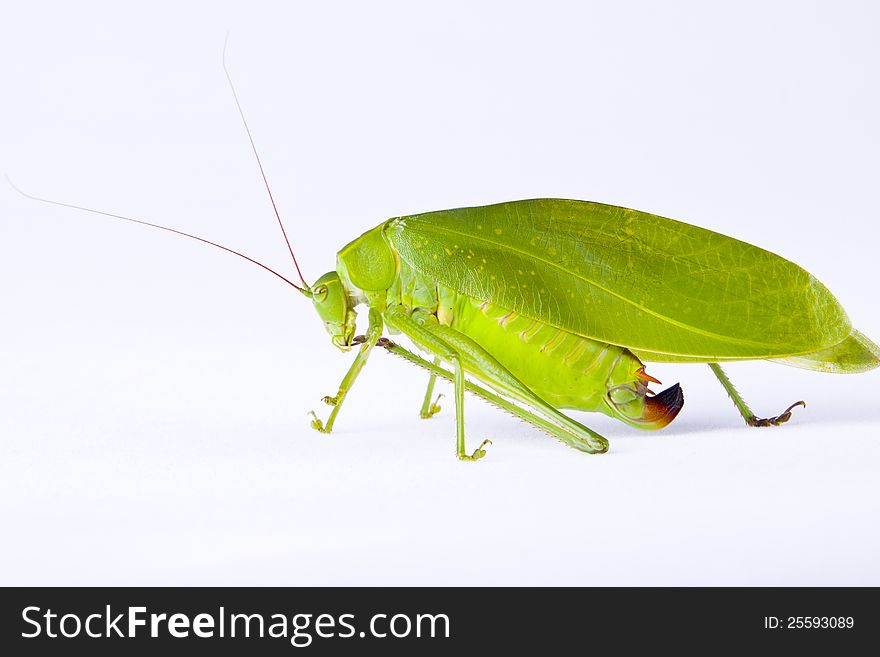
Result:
[[751, 419]]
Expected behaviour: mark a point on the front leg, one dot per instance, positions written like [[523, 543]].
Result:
[[374, 332]]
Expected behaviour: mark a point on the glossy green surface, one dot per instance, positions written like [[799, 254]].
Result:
[[624, 277]]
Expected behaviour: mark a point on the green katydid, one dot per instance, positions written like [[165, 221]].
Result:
[[548, 304], [555, 304]]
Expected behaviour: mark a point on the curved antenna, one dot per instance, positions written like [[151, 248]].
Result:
[[151, 225], [259, 163]]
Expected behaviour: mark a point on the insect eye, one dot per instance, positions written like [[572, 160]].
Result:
[[321, 292]]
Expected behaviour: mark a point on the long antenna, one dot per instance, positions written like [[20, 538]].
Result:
[[259, 163], [151, 225]]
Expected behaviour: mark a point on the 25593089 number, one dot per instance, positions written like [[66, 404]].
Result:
[[809, 622]]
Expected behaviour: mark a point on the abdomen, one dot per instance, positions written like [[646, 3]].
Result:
[[563, 368]]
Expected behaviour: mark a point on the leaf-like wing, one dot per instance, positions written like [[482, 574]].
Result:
[[854, 355], [625, 277]]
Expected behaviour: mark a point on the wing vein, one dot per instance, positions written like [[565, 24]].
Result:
[[648, 311]]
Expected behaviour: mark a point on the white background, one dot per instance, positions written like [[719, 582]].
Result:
[[153, 393]]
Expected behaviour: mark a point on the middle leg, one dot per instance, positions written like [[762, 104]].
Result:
[[441, 340], [430, 408]]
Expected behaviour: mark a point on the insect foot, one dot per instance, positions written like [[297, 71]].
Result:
[[432, 410], [330, 401], [783, 417], [479, 452], [316, 424]]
